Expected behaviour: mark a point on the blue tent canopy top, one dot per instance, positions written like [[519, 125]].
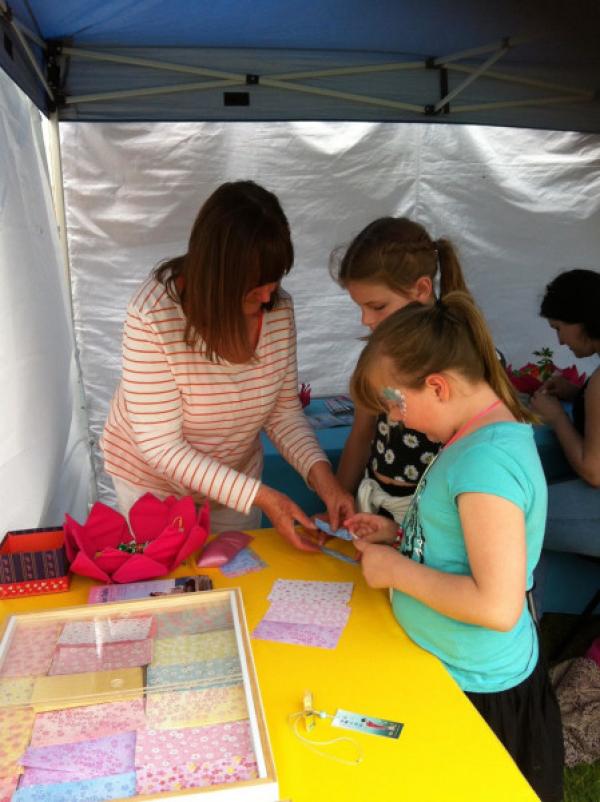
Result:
[[533, 64]]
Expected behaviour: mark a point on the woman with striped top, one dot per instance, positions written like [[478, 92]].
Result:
[[209, 361]]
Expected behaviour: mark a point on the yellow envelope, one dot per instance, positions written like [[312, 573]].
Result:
[[76, 690]]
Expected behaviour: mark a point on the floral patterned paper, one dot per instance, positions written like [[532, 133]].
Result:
[[83, 760], [324, 615], [101, 789], [195, 708], [7, 787], [15, 732], [30, 650], [301, 634], [222, 671], [245, 562], [16, 690], [192, 648], [87, 723], [173, 759], [292, 590], [157, 779], [205, 618], [107, 630], [101, 657]]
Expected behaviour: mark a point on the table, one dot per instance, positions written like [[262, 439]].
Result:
[[445, 752]]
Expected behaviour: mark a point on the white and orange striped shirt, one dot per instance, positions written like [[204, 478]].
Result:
[[182, 424]]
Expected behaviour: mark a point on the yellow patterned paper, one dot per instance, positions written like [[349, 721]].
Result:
[[16, 690], [195, 708], [186, 649], [76, 690], [16, 725]]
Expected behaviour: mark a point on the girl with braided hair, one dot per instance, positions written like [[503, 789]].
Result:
[[391, 263]]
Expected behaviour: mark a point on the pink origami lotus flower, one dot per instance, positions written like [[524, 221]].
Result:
[[166, 533]]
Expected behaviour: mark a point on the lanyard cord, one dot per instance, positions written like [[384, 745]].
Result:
[[472, 420]]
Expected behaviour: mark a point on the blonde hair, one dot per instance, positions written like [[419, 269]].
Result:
[[420, 340], [396, 252]]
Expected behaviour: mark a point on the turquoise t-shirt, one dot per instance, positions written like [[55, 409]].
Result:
[[500, 459]]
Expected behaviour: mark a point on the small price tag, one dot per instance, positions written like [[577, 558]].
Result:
[[367, 724]]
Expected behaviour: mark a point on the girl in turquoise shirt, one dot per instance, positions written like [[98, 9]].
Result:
[[464, 556]]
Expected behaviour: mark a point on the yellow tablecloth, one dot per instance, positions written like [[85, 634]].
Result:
[[445, 753]]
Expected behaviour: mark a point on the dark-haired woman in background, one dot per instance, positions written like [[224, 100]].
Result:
[[571, 305], [209, 361]]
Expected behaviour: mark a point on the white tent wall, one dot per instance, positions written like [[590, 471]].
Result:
[[520, 205], [45, 467]]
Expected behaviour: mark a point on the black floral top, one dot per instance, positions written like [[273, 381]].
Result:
[[399, 453]]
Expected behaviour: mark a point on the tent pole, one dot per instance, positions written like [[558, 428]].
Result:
[[153, 90], [16, 27], [58, 196], [515, 79]]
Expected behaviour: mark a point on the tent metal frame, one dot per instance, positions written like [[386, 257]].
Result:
[[289, 81]]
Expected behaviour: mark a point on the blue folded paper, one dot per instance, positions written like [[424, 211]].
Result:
[[100, 789], [342, 533]]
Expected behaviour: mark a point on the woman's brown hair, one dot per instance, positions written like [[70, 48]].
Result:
[[420, 340], [396, 252], [240, 240]]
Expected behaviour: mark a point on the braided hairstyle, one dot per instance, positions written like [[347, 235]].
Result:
[[396, 252]]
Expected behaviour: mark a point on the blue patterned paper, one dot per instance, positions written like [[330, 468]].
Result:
[[100, 789], [244, 562], [218, 672]]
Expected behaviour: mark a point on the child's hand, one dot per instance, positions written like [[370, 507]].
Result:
[[377, 563], [372, 528]]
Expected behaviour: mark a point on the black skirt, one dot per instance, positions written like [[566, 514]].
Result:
[[526, 719]]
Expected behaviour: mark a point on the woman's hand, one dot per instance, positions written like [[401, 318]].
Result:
[[378, 563], [372, 528], [283, 512], [560, 387], [548, 406], [339, 502]]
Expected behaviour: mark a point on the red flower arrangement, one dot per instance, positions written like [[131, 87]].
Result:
[[530, 377]]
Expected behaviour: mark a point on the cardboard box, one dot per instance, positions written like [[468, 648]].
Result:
[[33, 562]]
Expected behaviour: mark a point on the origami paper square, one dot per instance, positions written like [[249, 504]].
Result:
[[24, 661], [100, 789], [16, 690], [83, 760], [311, 591], [154, 779], [106, 630], [324, 615], [206, 618], [245, 562], [15, 731], [205, 673], [103, 657], [192, 648], [301, 634], [7, 787], [195, 708], [87, 723]]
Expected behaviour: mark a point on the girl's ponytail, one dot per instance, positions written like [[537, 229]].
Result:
[[462, 306], [451, 274]]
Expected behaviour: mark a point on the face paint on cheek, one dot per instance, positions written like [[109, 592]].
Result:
[[397, 397]]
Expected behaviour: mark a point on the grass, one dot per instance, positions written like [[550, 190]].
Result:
[[582, 783]]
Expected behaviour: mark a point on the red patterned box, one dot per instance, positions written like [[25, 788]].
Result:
[[33, 562]]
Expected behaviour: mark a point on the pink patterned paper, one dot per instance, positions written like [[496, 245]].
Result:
[[30, 650], [103, 657], [194, 745], [157, 779], [195, 708], [106, 630], [299, 590], [207, 618], [323, 615], [84, 760], [301, 634], [87, 723]]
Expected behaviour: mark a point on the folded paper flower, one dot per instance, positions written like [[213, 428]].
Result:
[[163, 534]]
